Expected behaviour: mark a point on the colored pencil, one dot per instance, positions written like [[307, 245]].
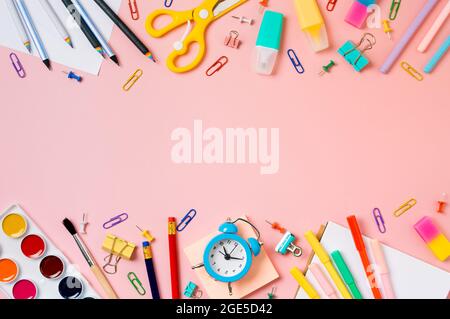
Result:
[[23, 36], [83, 26], [125, 29], [32, 31], [173, 259], [56, 21]]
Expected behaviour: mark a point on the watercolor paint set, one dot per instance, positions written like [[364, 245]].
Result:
[[31, 267]]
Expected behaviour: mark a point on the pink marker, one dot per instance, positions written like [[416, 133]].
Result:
[[323, 281], [380, 261]]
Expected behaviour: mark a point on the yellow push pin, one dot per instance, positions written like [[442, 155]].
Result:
[[146, 234], [387, 28]]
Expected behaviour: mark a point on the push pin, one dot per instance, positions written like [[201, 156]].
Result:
[[286, 245], [263, 4], [271, 294], [276, 226], [73, 76], [442, 203], [243, 20], [83, 224], [146, 234], [327, 68], [387, 29], [232, 40]]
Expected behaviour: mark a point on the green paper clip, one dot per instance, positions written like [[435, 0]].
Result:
[[394, 9], [137, 284]]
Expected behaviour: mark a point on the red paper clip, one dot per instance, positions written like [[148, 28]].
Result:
[[217, 65], [331, 4], [133, 9]]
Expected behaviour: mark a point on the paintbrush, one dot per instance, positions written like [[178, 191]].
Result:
[[90, 260]]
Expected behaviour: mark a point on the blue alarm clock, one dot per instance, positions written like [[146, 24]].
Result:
[[228, 257]]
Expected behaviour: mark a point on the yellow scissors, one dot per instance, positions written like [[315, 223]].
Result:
[[201, 16]]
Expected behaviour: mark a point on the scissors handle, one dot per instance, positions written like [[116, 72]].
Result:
[[178, 18], [195, 37]]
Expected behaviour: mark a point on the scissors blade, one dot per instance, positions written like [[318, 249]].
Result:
[[223, 5]]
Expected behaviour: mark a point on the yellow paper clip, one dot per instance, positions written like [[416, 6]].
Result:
[[132, 80], [137, 284], [405, 207], [411, 71]]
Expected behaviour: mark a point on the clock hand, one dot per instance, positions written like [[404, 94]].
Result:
[[233, 249], [225, 250], [236, 258]]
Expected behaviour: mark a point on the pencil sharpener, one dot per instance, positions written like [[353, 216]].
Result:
[[286, 245]]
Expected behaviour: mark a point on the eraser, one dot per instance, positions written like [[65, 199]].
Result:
[[433, 237], [357, 15], [367, 2]]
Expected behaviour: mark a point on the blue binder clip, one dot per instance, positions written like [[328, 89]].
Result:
[[192, 291], [354, 53], [286, 245]]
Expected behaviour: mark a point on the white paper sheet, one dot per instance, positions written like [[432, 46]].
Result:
[[82, 57], [411, 278]]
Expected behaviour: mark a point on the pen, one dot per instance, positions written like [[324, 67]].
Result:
[[56, 22], [346, 274], [378, 255], [90, 260], [29, 24], [173, 258], [304, 283], [83, 26], [429, 67], [326, 261], [95, 31], [125, 29], [23, 36], [359, 244], [323, 282], [148, 256]]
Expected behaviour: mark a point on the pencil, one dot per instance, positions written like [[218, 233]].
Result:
[[125, 29], [83, 26], [31, 28], [96, 31], [23, 36], [173, 258], [56, 22], [148, 256]]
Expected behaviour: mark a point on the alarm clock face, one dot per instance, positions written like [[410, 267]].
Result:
[[227, 258]]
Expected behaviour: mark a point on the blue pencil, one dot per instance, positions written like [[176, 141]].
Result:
[[29, 25], [150, 269], [429, 67]]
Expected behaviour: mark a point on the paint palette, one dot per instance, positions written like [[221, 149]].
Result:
[[31, 267]]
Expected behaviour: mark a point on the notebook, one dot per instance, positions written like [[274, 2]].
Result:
[[82, 57], [261, 272], [411, 278]]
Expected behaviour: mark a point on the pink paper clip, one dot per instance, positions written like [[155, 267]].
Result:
[[232, 40], [17, 65], [133, 9], [217, 65], [331, 4]]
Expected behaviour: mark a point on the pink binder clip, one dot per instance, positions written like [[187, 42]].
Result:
[[232, 40]]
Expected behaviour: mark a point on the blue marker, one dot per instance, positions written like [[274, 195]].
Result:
[[29, 25], [437, 56]]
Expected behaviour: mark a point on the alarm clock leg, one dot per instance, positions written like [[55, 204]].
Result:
[[230, 289]]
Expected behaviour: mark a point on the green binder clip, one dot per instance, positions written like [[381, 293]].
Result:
[[354, 53]]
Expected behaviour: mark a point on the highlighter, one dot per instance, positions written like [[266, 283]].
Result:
[[433, 237], [268, 42], [312, 23]]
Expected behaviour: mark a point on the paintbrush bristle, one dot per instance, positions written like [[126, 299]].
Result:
[[69, 226]]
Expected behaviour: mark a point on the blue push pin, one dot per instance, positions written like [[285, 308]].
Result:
[[73, 76], [286, 245]]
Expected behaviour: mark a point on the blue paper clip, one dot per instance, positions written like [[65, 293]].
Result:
[[186, 220], [295, 61], [379, 220], [286, 245], [17, 65], [168, 3], [115, 221]]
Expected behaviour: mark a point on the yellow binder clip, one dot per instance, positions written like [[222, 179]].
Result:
[[405, 207], [118, 248], [411, 71]]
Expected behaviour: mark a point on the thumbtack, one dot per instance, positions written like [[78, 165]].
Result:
[[244, 20], [271, 294], [146, 234], [83, 224], [387, 28], [327, 68], [73, 76]]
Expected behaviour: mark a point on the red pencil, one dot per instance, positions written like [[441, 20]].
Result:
[[173, 258], [359, 243]]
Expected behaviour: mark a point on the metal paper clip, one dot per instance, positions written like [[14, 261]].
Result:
[[295, 61], [411, 71], [331, 4], [132, 80], [17, 65], [405, 207], [186, 220], [115, 221], [134, 10], [379, 220], [232, 40], [394, 9], [217, 66], [168, 3], [137, 284]]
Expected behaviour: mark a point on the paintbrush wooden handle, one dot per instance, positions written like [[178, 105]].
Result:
[[104, 282]]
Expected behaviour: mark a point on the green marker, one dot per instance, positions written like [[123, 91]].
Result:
[[346, 274]]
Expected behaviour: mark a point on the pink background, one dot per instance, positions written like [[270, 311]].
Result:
[[349, 142]]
